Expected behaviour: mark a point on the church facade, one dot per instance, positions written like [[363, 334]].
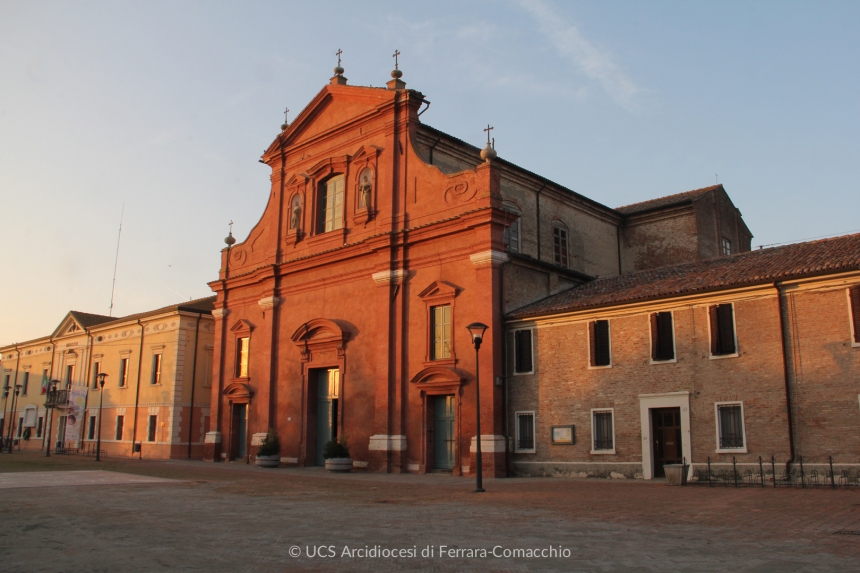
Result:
[[343, 314]]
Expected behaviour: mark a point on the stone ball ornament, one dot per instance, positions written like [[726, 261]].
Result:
[[488, 153]]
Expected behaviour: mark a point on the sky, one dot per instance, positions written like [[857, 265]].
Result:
[[155, 114]]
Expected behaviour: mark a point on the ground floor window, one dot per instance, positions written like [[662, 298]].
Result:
[[153, 424], [730, 426], [91, 428], [119, 424], [39, 423], [525, 432], [602, 432]]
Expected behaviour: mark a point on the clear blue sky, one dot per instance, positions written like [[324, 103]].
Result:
[[167, 106]]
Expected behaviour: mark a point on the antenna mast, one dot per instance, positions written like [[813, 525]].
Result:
[[116, 259]]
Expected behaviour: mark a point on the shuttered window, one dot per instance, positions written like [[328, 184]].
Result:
[[525, 431], [599, 336], [662, 337], [440, 329], [854, 294], [722, 321], [523, 351]]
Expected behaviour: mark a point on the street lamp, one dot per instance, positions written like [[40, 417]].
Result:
[[3, 425], [50, 402], [12, 414], [102, 377], [476, 329]]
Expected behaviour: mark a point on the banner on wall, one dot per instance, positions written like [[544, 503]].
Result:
[[75, 414]]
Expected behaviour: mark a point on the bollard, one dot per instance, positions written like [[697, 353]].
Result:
[[761, 471]]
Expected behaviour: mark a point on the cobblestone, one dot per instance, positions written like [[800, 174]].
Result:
[[233, 517]]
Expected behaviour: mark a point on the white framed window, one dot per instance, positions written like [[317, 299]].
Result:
[[722, 332], [155, 377], [30, 414], [123, 373], [600, 345], [525, 432], [662, 337], [523, 351], [731, 434], [560, 245], [603, 431], [440, 330], [726, 247], [854, 314]]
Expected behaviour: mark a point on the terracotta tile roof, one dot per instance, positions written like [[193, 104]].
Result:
[[200, 305], [668, 201], [761, 266]]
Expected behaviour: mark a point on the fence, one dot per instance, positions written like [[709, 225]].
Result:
[[769, 473]]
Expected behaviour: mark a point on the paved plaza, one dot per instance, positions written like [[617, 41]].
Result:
[[69, 514]]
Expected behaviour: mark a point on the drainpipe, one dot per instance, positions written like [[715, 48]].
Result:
[[537, 209], [137, 391], [782, 313], [504, 371], [87, 383], [432, 147], [193, 383]]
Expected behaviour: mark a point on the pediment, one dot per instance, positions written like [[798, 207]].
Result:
[[438, 379], [319, 330], [241, 325], [238, 390], [366, 152], [439, 289]]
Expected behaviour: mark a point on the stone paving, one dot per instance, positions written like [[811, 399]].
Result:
[[232, 517]]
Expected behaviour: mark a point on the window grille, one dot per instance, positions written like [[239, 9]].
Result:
[[731, 426], [603, 437], [525, 431]]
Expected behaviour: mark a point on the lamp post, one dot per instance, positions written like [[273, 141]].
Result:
[[477, 329], [12, 415], [102, 377], [3, 425], [50, 402]]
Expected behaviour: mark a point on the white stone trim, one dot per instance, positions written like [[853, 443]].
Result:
[[257, 439], [489, 443], [664, 400], [614, 437], [720, 450], [389, 277], [489, 258], [290, 460], [385, 443], [212, 438], [220, 312], [268, 303]]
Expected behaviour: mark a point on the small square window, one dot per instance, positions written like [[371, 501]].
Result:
[[730, 427], [525, 432], [602, 432]]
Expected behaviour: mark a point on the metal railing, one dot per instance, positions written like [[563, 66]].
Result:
[[770, 473]]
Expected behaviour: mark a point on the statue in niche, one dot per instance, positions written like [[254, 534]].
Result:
[[365, 187], [296, 213]]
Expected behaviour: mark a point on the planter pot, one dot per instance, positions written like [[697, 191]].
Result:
[[268, 461], [676, 474], [338, 464]]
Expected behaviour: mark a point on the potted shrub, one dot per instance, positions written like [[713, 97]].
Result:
[[336, 454], [269, 453]]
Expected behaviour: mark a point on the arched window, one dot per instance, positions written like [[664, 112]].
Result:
[[559, 244], [330, 205], [512, 232]]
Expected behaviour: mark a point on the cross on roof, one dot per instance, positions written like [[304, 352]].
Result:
[[286, 111], [396, 53], [338, 53], [231, 226], [488, 130]]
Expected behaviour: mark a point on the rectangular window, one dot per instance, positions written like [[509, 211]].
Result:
[[123, 372], [523, 351], [20, 426], [662, 337], [70, 372], [25, 384], [730, 426], [525, 431], [722, 320], [854, 300], [39, 423], [331, 205], [559, 246], [155, 377], [153, 425], [97, 368], [91, 428], [441, 329], [242, 347], [119, 424], [602, 431], [512, 236], [599, 336], [726, 246]]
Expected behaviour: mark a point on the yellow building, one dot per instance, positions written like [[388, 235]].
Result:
[[156, 392]]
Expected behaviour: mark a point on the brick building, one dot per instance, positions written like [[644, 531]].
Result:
[[158, 365], [748, 355], [344, 310]]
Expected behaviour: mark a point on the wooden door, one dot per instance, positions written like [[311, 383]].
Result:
[[327, 409], [444, 433], [239, 440], [666, 432]]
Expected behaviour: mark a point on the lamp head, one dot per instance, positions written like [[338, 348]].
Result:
[[102, 377], [477, 329], [54, 384]]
